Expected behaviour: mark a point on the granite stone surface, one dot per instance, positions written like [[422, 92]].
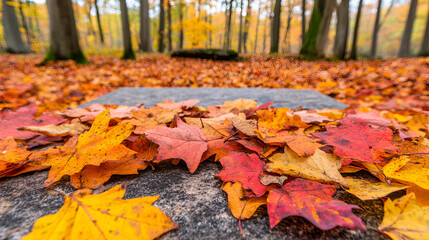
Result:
[[194, 201], [291, 98]]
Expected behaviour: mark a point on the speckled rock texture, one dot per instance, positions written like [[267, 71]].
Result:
[[291, 98]]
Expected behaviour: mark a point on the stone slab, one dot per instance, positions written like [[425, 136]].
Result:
[[291, 98], [194, 201]]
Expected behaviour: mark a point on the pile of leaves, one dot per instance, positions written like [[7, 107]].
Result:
[[396, 83], [292, 161]]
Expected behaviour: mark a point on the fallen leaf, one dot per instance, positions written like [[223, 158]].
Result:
[[241, 208], [147, 119], [409, 169], [90, 113], [178, 105], [244, 168], [247, 127], [103, 216], [366, 190], [185, 142], [279, 119], [405, 219], [314, 202], [422, 195], [91, 148], [320, 166], [68, 129], [354, 139], [240, 104]]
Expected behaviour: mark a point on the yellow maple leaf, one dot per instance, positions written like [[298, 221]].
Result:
[[366, 190], [103, 216], [405, 219], [91, 148]]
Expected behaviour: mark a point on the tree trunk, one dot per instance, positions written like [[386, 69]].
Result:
[[64, 43], [353, 53], [228, 27], [240, 31], [342, 33], [288, 21], [257, 28], [267, 20], [161, 26], [36, 18], [100, 29], [12, 35], [126, 33], [303, 22], [181, 35], [404, 49], [424, 49], [373, 52], [210, 32], [315, 38], [91, 30], [275, 27], [322, 36], [170, 44], [247, 24], [145, 36], [24, 24]]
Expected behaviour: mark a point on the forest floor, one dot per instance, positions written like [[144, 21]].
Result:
[[384, 132], [62, 85]]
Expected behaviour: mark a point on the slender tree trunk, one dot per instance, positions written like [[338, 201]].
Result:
[[91, 30], [315, 38], [181, 35], [100, 29], [210, 32], [373, 53], [303, 22], [170, 44], [240, 31], [342, 33], [12, 35], [228, 27], [247, 24], [275, 27], [424, 49], [126, 33], [161, 26], [24, 23], [353, 53], [288, 21], [64, 43], [404, 49], [257, 28], [145, 36], [322, 36]]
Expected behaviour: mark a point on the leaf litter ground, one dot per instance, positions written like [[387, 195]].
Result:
[[290, 160]]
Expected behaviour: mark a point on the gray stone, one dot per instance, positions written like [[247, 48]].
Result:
[[291, 98], [194, 201]]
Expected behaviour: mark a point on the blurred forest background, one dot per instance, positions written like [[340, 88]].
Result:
[[178, 24]]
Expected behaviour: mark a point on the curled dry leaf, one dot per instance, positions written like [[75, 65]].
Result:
[[405, 219], [103, 216], [68, 129]]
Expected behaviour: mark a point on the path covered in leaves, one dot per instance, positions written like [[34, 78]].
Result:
[[292, 161]]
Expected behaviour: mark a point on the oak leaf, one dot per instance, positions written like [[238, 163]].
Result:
[[320, 166], [244, 168], [405, 219], [185, 142], [103, 216], [314, 202], [354, 139], [91, 148]]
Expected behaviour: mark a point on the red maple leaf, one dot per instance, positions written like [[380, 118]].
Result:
[[244, 168], [354, 139], [314, 202], [24, 116], [186, 142]]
